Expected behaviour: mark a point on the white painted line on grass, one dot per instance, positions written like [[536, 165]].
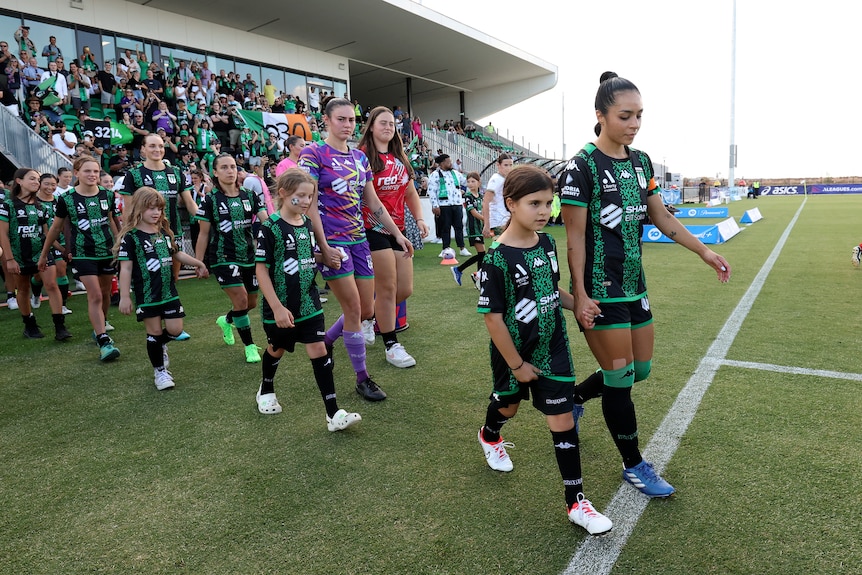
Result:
[[794, 370], [597, 555]]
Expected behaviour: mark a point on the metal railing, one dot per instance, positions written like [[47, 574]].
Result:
[[24, 148]]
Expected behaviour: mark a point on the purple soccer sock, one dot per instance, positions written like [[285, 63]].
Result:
[[334, 332], [354, 341]]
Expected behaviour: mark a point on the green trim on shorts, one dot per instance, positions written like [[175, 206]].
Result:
[[563, 378], [81, 258], [483, 309], [339, 276], [626, 325], [644, 324], [371, 277], [163, 302], [626, 299]]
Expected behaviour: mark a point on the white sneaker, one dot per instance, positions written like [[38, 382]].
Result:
[[368, 331], [465, 252], [582, 513], [495, 453], [108, 327], [164, 379], [342, 420], [12, 303], [398, 356], [475, 277], [442, 254], [267, 403], [79, 285], [66, 311], [323, 299], [166, 361], [436, 241], [35, 301], [857, 256]]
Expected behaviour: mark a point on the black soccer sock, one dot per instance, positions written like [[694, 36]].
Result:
[[269, 365], [36, 286], [619, 412], [103, 339], [59, 320], [322, 367], [569, 461], [229, 316], [590, 388], [154, 351], [389, 338], [63, 284], [470, 261], [494, 421]]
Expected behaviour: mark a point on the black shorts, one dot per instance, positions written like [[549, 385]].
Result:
[[233, 275], [624, 315], [473, 240], [169, 310], [311, 330], [550, 396], [378, 241], [86, 267]]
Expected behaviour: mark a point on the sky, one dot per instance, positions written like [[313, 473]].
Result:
[[798, 79]]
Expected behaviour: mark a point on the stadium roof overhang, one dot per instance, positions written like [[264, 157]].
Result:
[[386, 42]]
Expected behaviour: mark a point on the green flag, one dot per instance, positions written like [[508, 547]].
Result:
[[172, 66], [412, 145], [45, 91]]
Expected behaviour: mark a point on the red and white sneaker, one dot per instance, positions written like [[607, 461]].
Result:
[[495, 453], [584, 514]]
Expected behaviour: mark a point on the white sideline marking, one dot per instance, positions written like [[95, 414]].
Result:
[[597, 555], [793, 370]]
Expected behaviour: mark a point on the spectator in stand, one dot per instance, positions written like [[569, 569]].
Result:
[[107, 85], [163, 119], [51, 51], [220, 120], [294, 145], [25, 44], [269, 92], [444, 190], [31, 75], [87, 61], [417, 129], [12, 86], [139, 130], [63, 140], [490, 129], [313, 100], [6, 56], [274, 148], [119, 163], [153, 85], [184, 74], [79, 87], [493, 204]]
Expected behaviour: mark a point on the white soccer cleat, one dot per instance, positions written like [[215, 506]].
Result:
[[163, 378], [368, 331], [495, 453], [584, 514]]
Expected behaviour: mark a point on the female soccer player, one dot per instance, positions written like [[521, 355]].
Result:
[[523, 309], [393, 266], [344, 180], [145, 250], [495, 212], [92, 218], [47, 187], [475, 224], [606, 195], [23, 226], [226, 239], [286, 265]]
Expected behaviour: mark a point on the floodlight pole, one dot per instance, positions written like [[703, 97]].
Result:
[[731, 180], [564, 126]]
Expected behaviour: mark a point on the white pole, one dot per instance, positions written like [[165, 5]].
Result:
[[731, 180], [564, 127]]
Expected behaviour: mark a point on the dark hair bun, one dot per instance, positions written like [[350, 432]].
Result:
[[607, 76]]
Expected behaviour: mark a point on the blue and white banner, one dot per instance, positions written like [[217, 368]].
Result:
[[670, 197], [835, 189], [706, 234], [719, 212]]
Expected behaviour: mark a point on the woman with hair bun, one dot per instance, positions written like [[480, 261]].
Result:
[[607, 192]]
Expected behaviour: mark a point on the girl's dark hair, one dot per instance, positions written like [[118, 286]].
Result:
[[474, 176], [15, 187], [606, 96], [396, 146], [503, 156], [525, 180], [335, 103], [47, 176]]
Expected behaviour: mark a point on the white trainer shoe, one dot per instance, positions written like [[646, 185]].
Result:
[[164, 379], [398, 356], [465, 252], [35, 301], [66, 311], [368, 331], [495, 453], [108, 326], [12, 303], [342, 420], [584, 514]]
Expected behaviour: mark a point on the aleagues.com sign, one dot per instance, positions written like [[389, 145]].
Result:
[[813, 189]]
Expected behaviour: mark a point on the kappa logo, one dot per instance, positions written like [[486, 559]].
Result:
[[625, 174], [611, 216], [538, 262], [565, 444], [526, 310]]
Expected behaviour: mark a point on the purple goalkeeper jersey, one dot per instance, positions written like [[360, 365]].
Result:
[[341, 179]]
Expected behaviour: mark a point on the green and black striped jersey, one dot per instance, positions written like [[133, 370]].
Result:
[[152, 266], [26, 228], [89, 219], [231, 238]]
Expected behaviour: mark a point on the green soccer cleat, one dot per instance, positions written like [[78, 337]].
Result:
[[226, 328], [108, 352], [252, 354]]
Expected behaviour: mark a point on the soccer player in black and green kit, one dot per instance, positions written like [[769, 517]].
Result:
[[607, 190], [523, 310], [226, 239], [168, 180], [23, 226], [286, 264], [146, 250], [92, 218]]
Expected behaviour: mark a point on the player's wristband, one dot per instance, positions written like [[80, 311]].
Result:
[[519, 367]]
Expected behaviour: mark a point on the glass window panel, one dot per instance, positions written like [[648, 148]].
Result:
[[40, 34], [8, 25], [243, 70], [340, 89], [275, 76], [217, 64], [90, 40], [295, 86]]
